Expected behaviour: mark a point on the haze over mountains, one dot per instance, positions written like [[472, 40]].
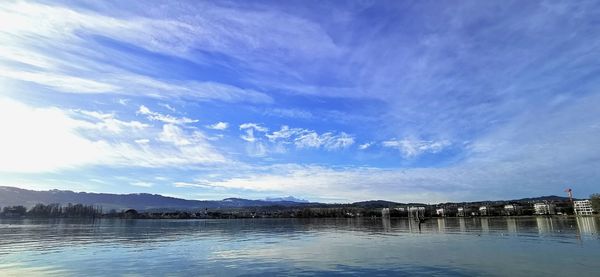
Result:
[[12, 196]]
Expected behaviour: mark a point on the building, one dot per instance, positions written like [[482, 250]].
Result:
[[462, 211], [544, 209], [512, 209], [483, 210], [416, 212], [583, 207], [440, 212], [385, 212]]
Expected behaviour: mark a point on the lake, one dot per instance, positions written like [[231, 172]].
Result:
[[520, 246]]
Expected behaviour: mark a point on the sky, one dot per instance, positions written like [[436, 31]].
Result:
[[330, 101]]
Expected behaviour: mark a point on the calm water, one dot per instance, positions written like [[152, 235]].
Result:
[[531, 246]]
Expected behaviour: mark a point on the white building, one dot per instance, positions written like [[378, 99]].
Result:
[[543, 208], [440, 212], [583, 207], [512, 209], [483, 210], [385, 212], [416, 212]]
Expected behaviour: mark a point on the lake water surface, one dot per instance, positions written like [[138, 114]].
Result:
[[523, 246]]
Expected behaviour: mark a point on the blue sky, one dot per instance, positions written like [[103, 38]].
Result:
[[325, 100]]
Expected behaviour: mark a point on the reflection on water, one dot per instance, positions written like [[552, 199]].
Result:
[[485, 225], [587, 225], [441, 222], [511, 224], [441, 246], [559, 226], [545, 225]]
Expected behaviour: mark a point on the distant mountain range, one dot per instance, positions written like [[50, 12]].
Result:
[[12, 196], [287, 199]]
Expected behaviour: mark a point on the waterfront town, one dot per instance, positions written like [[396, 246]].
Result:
[[497, 208], [540, 206]]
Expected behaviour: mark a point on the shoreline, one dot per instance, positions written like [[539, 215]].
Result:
[[301, 218]]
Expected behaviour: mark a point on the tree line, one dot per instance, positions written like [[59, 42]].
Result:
[[53, 211]]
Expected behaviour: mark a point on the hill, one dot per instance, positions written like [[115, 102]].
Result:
[[12, 196], [549, 198]]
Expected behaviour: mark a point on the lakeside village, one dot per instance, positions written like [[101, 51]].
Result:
[[543, 206]]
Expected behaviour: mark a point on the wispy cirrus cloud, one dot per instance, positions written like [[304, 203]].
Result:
[[78, 64], [415, 147], [289, 113], [304, 138], [155, 116], [60, 82], [142, 184], [300, 138], [191, 185], [108, 122], [329, 141]]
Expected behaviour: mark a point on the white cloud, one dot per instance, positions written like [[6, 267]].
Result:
[[60, 82], [304, 138], [108, 122], [167, 106], [123, 101], [218, 126], [44, 139], [308, 139], [249, 136], [191, 185], [164, 117], [503, 164], [215, 28], [142, 184], [142, 141], [284, 134], [51, 139], [414, 147], [291, 113], [25, 56], [255, 126], [334, 142], [365, 145], [71, 63], [173, 134], [249, 129], [256, 148], [348, 184]]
